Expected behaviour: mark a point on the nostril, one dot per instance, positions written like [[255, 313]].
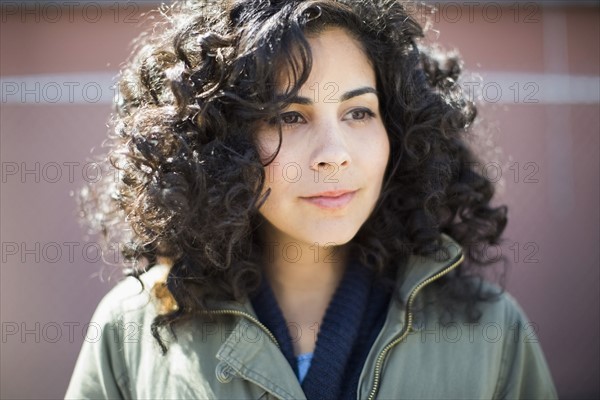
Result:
[[335, 163]]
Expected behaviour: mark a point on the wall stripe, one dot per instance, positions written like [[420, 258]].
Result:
[[484, 86]]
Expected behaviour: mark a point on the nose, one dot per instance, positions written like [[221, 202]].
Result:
[[331, 149]]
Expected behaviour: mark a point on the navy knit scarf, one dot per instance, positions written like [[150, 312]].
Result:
[[351, 324]]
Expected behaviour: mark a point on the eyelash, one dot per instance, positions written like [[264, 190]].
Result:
[[368, 115]]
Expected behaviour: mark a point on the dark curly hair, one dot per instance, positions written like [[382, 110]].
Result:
[[190, 183]]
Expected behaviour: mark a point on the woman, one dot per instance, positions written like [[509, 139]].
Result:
[[304, 217]]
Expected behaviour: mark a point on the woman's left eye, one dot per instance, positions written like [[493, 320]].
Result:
[[361, 114]]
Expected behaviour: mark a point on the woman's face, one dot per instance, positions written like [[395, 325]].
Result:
[[328, 174]]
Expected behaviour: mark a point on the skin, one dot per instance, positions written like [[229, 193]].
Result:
[[332, 140]]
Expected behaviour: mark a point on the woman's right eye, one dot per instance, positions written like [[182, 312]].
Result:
[[289, 118]]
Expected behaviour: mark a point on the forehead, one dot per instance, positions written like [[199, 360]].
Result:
[[337, 57]]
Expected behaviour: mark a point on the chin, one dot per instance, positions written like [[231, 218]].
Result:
[[332, 238]]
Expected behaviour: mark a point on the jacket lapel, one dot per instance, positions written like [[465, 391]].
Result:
[[420, 268], [253, 355]]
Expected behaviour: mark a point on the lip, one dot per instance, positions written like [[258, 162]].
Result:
[[331, 200]]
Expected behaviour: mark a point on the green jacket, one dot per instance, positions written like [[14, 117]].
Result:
[[236, 357]]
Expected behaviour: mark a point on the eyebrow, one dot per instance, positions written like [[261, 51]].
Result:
[[344, 97]]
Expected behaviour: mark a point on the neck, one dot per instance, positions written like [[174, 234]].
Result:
[[292, 265], [304, 278]]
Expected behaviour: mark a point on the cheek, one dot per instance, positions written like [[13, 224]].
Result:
[[286, 170], [267, 147], [384, 148], [280, 176], [273, 173], [267, 141], [266, 151], [375, 154]]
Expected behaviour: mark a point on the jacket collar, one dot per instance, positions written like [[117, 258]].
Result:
[[255, 356], [420, 269]]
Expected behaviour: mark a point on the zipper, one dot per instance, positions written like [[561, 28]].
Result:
[[248, 316], [408, 327]]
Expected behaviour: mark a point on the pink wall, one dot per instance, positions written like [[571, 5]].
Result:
[[548, 132]]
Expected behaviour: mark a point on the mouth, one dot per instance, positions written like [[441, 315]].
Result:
[[331, 200]]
